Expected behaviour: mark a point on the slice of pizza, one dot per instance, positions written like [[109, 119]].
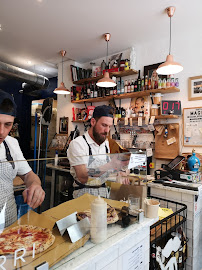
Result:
[[112, 216]]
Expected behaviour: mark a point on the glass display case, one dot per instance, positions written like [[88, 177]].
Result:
[[29, 237]]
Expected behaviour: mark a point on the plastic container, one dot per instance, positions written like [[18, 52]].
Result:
[[152, 208], [157, 98], [154, 109], [56, 158], [98, 228], [193, 162]]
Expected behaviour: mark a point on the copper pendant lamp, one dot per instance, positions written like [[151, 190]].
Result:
[[62, 90], [106, 81], [169, 66]]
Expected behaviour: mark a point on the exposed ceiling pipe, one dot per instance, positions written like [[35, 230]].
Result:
[[32, 81]]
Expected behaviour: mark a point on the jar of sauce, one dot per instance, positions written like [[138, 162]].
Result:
[[157, 98], [154, 110]]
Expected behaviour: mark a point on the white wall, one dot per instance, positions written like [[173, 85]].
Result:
[[185, 49]]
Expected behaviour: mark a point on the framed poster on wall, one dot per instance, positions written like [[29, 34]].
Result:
[[192, 126]]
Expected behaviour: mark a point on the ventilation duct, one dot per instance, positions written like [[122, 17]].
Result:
[[32, 81]]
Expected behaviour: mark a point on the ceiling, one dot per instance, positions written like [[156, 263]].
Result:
[[36, 30]]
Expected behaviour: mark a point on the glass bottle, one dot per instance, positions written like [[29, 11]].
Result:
[[139, 82], [168, 82], [176, 82], [128, 89], [126, 86], [159, 83], [142, 84], [122, 87], [132, 87], [146, 82], [118, 88]]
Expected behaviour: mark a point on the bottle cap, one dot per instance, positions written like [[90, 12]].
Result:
[[99, 200]]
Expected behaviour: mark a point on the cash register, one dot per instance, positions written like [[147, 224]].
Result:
[[169, 172]]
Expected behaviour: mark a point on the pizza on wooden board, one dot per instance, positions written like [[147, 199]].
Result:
[[112, 216], [24, 236]]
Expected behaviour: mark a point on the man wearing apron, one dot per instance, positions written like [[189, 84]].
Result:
[[90, 151], [10, 153]]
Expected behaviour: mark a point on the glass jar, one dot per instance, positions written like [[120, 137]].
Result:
[[157, 98], [154, 110]]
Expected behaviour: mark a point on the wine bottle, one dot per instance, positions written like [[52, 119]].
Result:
[[132, 87], [128, 89], [126, 86], [139, 82]]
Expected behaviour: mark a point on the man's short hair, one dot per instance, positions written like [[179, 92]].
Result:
[[7, 104]]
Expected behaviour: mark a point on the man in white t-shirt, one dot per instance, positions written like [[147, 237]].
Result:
[[12, 163], [88, 157]]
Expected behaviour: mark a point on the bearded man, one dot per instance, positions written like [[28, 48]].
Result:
[[88, 155]]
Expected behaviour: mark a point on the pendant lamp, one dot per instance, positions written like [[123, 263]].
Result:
[[106, 81], [62, 90], [169, 66]]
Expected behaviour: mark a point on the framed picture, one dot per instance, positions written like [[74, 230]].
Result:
[[192, 126], [195, 88], [150, 71], [63, 128]]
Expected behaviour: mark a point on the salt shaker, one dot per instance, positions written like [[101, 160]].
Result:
[[98, 228]]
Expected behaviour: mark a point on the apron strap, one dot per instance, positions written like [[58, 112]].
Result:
[[8, 155]]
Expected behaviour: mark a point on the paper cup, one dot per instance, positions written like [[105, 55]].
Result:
[[152, 208]]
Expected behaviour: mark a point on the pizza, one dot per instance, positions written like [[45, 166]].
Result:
[[24, 236], [112, 216]]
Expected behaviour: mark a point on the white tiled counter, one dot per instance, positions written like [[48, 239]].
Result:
[[123, 249], [193, 200]]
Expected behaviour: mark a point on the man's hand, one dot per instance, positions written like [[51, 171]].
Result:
[[122, 177], [34, 195]]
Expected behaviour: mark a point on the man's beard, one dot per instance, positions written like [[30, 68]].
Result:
[[99, 138]]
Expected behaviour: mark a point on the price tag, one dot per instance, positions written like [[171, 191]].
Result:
[[139, 121], [131, 122], [152, 120], [171, 140], [147, 120], [126, 121], [149, 152], [115, 121]]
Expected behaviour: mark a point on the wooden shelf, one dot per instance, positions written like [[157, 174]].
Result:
[[156, 117], [129, 95], [136, 118], [116, 74]]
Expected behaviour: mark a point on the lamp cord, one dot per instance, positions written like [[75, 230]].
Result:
[[170, 37], [62, 68], [107, 55]]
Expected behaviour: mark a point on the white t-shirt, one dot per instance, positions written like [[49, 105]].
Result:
[[78, 152], [21, 166]]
